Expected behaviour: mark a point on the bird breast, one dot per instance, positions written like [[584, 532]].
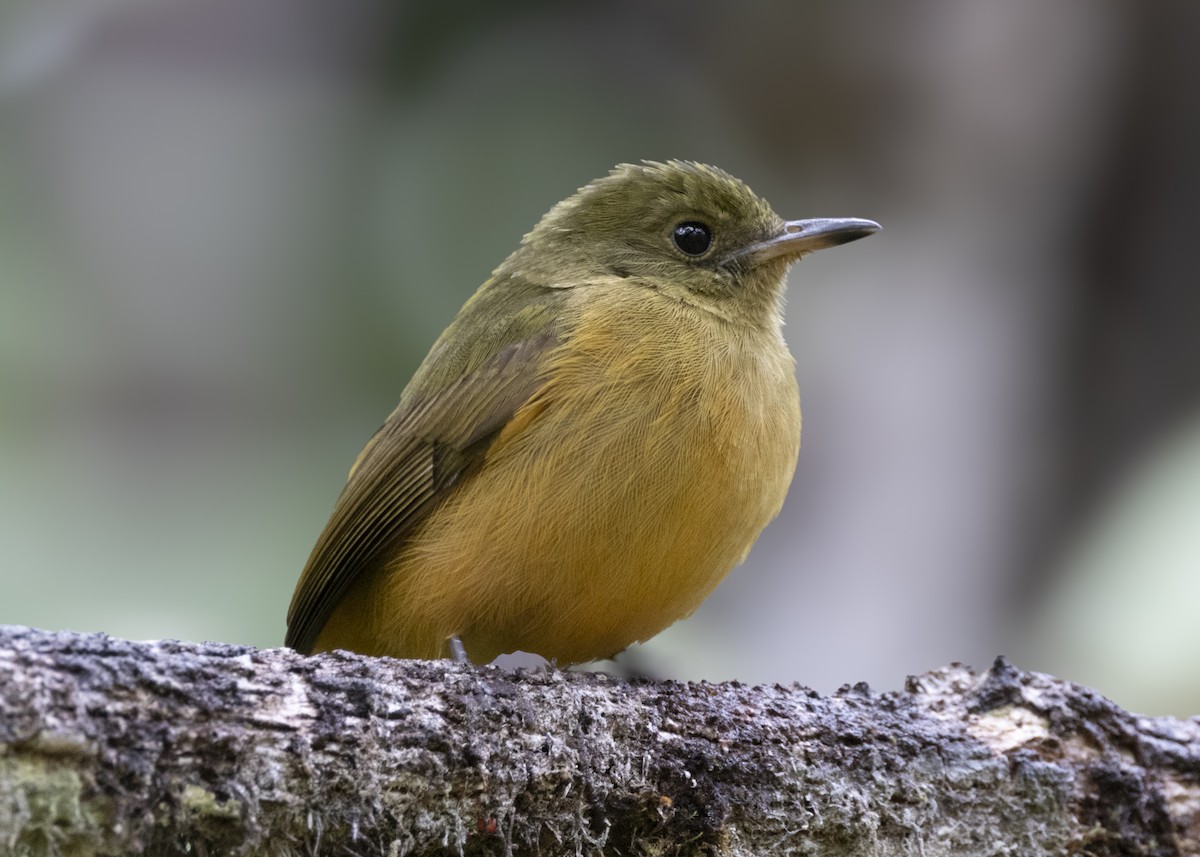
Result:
[[635, 478]]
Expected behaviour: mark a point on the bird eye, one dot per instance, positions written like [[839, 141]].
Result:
[[692, 238]]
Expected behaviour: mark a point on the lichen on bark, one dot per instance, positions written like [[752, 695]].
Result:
[[114, 747]]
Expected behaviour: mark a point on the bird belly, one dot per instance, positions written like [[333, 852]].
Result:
[[611, 506]]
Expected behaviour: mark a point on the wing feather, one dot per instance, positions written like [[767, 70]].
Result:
[[427, 445]]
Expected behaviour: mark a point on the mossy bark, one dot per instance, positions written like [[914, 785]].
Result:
[[114, 747]]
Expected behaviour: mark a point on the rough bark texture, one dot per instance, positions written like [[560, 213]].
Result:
[[114, 747]]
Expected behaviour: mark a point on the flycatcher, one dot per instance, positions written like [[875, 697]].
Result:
[[597, 438]]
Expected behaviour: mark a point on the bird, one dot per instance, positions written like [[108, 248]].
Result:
[[594, 442]]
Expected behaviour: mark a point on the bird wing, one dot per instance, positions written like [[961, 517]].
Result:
[[430, 443]]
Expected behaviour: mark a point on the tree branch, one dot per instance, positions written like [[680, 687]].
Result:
[[114, 747]]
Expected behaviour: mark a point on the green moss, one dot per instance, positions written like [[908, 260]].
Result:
[[43, 809], [201, 804]]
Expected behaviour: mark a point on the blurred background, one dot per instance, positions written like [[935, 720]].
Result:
[[230, 229]]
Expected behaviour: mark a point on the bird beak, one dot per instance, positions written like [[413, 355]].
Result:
[[800, 237]]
